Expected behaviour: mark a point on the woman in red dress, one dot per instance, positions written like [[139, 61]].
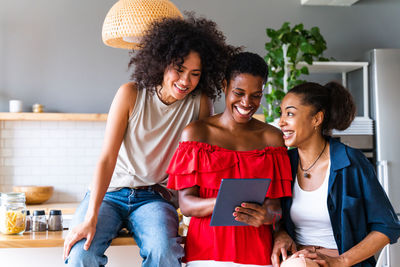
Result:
[[231, 145]]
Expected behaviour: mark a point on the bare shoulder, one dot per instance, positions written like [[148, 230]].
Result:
[[128, 90], [196, 131], [126, 96], [272, 135]]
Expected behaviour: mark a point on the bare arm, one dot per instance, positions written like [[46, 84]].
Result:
[[372, 243], [117, 122], [193, 205], [189, 201]]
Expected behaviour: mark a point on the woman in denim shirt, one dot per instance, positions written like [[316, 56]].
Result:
[[339, 214]]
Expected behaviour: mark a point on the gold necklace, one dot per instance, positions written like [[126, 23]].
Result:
[[306, 174]]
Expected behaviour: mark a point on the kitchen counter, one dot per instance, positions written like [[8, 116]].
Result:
[[49, 239], [56, 239]]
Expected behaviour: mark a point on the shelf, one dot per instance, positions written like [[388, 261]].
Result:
[[360, 126], [259, 117], [29, 116], [328, 2], [333, 66]]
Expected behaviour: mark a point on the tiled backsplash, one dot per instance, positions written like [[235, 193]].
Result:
[[58, 153]]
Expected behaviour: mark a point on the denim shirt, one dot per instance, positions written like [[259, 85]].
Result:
[[357, 203]]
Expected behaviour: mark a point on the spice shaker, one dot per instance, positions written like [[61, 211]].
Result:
[[39, 223], [28, 221], [55, 221]]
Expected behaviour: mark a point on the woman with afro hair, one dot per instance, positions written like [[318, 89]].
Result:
[[178, 70]]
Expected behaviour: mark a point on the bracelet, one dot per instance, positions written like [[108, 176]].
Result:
[[274, 220]]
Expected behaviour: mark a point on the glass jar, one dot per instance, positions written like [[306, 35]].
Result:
[[12, 213], [39, 222]]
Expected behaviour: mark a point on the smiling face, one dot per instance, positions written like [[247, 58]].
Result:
[[179, 81], [298, 122], [243, 96]]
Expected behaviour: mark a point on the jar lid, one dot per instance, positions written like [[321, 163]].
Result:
[[13, 196], [38, 212], [55, 212]]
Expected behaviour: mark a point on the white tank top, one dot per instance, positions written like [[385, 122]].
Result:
[[151, 138], [309, 213]]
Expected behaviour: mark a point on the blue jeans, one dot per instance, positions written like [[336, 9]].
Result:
[[152, 221]]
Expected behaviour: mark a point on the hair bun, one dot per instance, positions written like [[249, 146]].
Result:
[[342, 108]]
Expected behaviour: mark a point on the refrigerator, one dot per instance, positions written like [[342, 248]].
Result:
[[384, 86]]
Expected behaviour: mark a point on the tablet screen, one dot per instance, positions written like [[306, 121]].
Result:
[[234, 192]]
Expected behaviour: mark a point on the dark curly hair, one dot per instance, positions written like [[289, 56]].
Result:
[[169, 41], [332, 99], [247, 62]]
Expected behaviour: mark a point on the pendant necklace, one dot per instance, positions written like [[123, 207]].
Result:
[[306, 174]]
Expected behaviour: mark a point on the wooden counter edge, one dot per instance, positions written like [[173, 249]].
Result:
[[56, 239], [49, 239], [30, 116]]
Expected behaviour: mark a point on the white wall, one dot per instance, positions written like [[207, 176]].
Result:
[[58, 153], [51, 52]]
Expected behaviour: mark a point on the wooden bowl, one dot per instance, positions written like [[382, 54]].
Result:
[[35, 194]]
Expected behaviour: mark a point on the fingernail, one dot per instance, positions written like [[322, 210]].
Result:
[[243, 205], [235, 214], [237, 209]]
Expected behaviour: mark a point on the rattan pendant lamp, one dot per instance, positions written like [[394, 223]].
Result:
[[127, 19]]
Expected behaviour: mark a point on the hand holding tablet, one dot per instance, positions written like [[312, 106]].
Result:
[[232, 193]]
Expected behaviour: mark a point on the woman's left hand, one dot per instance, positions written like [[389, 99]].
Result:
[[256, 215], [328, 261], [322, 259]]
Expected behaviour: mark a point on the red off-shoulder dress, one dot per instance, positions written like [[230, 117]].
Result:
[[204, 165]]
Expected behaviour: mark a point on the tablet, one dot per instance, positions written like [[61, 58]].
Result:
[[234, 192]]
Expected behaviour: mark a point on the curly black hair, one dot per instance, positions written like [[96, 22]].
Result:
[[169, 41], [247, 62]]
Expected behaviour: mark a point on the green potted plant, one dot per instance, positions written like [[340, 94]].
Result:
[[286, 48]]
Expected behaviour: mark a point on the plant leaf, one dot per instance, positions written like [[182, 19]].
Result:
[[271, 33], [304, 70]]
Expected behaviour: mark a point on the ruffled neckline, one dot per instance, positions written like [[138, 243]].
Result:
[[209, 147]]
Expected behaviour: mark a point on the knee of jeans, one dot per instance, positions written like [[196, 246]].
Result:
[[164, 247], [80, 257]]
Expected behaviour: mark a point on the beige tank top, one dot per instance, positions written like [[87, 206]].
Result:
[[151, 138]]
